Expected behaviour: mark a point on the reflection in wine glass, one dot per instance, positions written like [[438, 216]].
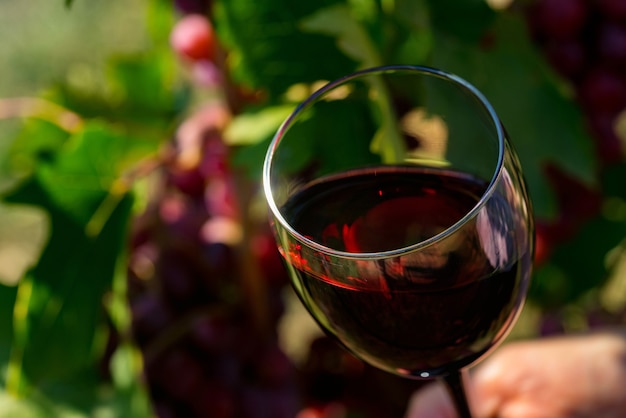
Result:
[[400, 210]]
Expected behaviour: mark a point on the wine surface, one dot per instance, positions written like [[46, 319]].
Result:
[[438, 308]]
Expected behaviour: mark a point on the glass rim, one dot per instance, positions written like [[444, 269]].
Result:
[[286, 124]]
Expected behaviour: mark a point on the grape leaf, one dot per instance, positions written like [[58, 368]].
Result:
[[37, 141], [139, 91], [465, 20], [59, 300], [256, 125], [351, 37], [268, 49], [577, 267], [544, 124]]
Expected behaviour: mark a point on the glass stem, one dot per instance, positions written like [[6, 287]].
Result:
[[456, 384]]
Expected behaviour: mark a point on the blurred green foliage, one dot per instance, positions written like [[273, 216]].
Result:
[[122, 109]]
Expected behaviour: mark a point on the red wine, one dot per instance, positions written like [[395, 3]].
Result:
[[438, 308]]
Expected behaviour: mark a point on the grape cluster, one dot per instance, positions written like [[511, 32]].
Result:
[[204, 301], [585, 41]]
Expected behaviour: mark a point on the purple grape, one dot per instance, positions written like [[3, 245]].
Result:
[[263, 403], [559, 19], [150, 316], [568, 57], [603, 90], [612, 44], [177, 373], [613, 9], [213, 400]]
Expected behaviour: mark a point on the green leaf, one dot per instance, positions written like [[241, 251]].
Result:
[[582, 263], [144, 83], [544, 124], [35, 143], [414, 17], [255, 126], [86, 167], [269, 50], [577, 267], [140, 92], [59, 302], [351, 37], [463, 19]]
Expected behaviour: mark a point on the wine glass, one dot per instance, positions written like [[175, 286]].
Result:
[[399, 207]]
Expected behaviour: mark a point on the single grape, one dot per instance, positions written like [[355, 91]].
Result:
[[608, 145], [163, 409], [263, 403], [215, 155], [207, 74], [220, 197], [227, 368], [190, 181], [181, 219], [214, 334], [568, 57], [559, 19], [611, 44], [220, 263], [180, 279], [613, 9], [273, 367], [150, 316], [544, 243], [577, 202], [603, 90], [551, 324], [177, 373], [213, 399], [193, 38], [204, 125], [265, 251]]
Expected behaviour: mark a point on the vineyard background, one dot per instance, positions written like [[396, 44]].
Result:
[[137, 272]]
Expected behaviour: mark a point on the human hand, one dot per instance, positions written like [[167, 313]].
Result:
[[559, 377]]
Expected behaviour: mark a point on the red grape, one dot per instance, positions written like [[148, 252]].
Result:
[[206, 73], [193, 38], [188, 180], [150, 316], [613, 9], [612, 44], [177, 372], [568, 57], [273, 367], [551, 324], [559, 19], [213, 400], [270, 262], [603, 90], [543, 244], [609, 146]]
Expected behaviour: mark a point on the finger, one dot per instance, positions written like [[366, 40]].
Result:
[[432, 401]]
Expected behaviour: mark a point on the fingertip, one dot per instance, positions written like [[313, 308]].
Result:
[[432, 401]]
